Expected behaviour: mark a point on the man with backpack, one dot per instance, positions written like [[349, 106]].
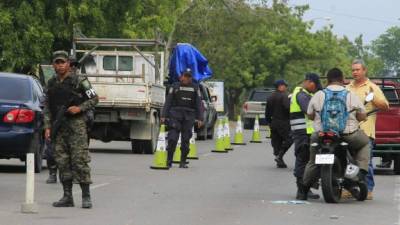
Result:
[[338, 110], [302, 128]]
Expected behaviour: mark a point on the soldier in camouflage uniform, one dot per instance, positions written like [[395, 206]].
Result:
[[73, 96]]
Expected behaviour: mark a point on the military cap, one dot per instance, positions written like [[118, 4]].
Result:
[[60, 55]]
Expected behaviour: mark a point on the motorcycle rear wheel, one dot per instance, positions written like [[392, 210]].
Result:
[[331, 187]]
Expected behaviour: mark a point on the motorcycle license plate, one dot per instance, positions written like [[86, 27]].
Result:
[[324, 158]]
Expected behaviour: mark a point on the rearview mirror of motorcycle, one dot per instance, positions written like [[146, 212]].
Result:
[[369, 97]]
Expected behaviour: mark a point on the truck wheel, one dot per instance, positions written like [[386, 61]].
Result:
[[136, 147], [149, 146], [210, 134], [248, 124], [397, 164], [202, 134]]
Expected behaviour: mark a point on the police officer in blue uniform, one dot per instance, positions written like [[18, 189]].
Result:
[[181, 110]]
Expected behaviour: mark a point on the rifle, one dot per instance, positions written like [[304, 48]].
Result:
[[59, 119]]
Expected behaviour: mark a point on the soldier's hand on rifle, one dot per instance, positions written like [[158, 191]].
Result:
[[74, 110], [47, 133]]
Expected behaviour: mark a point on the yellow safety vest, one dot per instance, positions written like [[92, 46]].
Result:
[[298, 120]]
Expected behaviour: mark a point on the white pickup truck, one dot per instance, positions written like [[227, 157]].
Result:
[[130, 86]]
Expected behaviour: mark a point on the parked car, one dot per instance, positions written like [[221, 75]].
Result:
[[210, 114], [387, 142], [21, 117], [255, 105]]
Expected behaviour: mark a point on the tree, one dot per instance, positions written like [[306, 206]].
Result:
[[387, 47], [31, 30]]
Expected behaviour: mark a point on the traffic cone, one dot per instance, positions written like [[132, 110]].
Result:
[[177, 153], [256, 132], [192, 147], [219, 143], [160, 156], [227, 135], [239, 133]]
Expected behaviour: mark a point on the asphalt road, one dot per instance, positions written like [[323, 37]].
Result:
[[240, 187]]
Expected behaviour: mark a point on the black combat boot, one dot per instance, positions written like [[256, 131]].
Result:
[[86, 202], [183, 163], [279, 162], [66, 200], [52, 176]]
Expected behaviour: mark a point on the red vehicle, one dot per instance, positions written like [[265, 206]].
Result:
[[387, 142]]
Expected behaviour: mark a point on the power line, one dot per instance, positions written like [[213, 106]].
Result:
[[354, 16]]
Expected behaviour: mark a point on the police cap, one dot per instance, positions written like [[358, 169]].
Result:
[[187, 72]]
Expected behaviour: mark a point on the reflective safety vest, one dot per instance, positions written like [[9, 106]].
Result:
[[298, 120]]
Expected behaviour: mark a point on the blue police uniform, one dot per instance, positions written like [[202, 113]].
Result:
[[181, 109]]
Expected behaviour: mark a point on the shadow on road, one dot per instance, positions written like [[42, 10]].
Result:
[[12, 168], [111, 151]]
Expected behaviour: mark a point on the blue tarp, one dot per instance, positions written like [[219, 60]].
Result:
[[187, 56]]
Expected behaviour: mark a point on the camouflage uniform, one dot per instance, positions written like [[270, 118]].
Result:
[[71, 143]]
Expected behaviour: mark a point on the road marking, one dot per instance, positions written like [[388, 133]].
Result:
[[207, 154], [92, 187]]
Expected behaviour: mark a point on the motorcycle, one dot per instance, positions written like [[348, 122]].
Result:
[[338, 168]]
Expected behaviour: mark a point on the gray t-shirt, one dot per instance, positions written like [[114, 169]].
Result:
[[352, 102]]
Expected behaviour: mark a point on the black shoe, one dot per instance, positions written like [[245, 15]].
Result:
[[312, 195], [66, 200], [301, 189], [183, 165], [280, 163], [169, 163], [86, 201], [301, 194]]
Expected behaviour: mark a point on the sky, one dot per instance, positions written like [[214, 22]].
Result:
[[370, 18]]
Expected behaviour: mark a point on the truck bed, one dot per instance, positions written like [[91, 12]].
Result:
[[129, 95]]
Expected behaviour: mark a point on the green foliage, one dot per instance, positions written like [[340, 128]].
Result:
[[248, 45], [387, 47], [31, 30]]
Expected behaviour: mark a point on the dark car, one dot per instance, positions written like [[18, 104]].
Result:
[[210, 114], [21, 117]]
